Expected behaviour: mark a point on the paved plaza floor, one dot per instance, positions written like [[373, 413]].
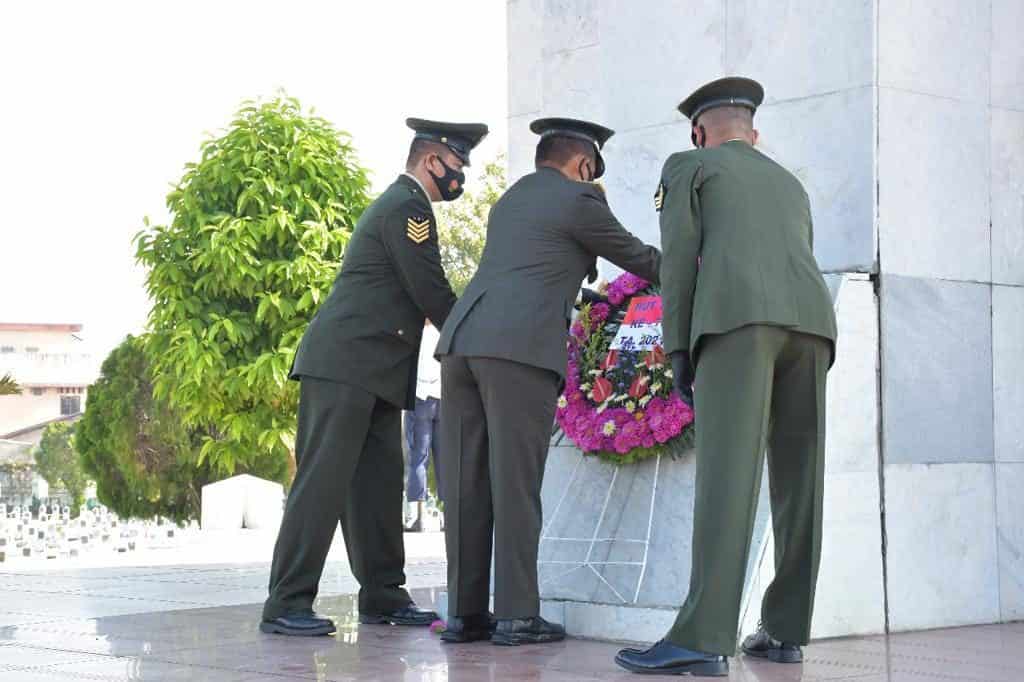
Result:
[[199, 623]]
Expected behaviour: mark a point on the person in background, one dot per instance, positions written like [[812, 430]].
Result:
[[421, 425]]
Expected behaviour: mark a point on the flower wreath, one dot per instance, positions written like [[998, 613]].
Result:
[[620, 405]]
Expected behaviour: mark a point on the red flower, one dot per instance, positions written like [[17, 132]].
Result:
[[638, 389], [611, 360], [655, 356], [602, 390]]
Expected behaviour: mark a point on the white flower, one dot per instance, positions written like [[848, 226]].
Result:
[[608, 428], [562, 402], [601, 408], [631, 407], [655, 387], [668, 374], [584, 387], [596, 372], [646, 399]]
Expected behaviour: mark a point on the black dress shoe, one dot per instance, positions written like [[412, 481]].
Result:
[[665, 658], [299, 624], [763, 645], [536, 630], [407, 615], [473, 628]]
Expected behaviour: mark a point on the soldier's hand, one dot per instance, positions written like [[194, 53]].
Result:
[[682, 375], [591, 296]]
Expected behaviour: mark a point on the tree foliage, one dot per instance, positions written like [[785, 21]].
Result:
[[8, 386], [462, 225], [257, 232], [57, 462], [136, 447]]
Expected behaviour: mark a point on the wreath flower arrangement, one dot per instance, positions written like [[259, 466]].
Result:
[[620, 405]]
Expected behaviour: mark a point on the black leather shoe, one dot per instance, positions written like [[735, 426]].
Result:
[[665, 658], [763, 645], [299, 624], [536, 630], [473, 628], [407, 615]]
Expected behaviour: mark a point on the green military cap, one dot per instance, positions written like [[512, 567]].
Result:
[[461, 138], [734, 91], [593, 133]]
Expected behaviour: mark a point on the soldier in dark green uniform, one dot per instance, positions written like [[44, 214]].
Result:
[[503, 358], [745, 303], [357, 367]]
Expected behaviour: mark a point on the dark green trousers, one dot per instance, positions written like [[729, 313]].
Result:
[[757, 387], [348, 455], [496, 418]]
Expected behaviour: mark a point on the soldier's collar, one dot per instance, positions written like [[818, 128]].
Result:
[[418, 184]]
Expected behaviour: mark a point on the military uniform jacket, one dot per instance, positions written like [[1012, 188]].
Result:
[[738, 248], [543, 236], [367, 333]]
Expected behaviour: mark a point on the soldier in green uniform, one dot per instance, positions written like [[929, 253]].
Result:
[[503, 358], [746, 305], [357, 368]]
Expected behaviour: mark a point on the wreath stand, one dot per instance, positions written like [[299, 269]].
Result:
[[614, 558]]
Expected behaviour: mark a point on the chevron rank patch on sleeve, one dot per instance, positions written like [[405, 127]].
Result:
[[417, 229], [659, 197]]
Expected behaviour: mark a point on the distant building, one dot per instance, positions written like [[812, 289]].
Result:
[[19, 484], [52, 367]]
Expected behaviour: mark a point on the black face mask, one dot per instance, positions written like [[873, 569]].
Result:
[[443, 182]]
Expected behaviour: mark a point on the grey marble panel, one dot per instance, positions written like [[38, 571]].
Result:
[[570, 24], [1007, 54], [933, 175], [1010, 530], [572, 84], [851, 442], [634, 161], [936, 370], [1008, 196], [652, 58], [850, 596], [939, 47], [521, 146], [1008, 372], [826, 142], [525, 62], [801, 47], [941, 550]]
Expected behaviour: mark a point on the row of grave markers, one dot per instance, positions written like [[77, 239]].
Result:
[[53, 534]]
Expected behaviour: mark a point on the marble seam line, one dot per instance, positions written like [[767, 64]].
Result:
[[680, 121]]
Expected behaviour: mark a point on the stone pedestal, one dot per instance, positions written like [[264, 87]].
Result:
[[615, 547]]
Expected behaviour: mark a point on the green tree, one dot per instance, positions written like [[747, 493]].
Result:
[[9, 386], [462, 225], [57, 462], [257, 232], [137, 448]]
